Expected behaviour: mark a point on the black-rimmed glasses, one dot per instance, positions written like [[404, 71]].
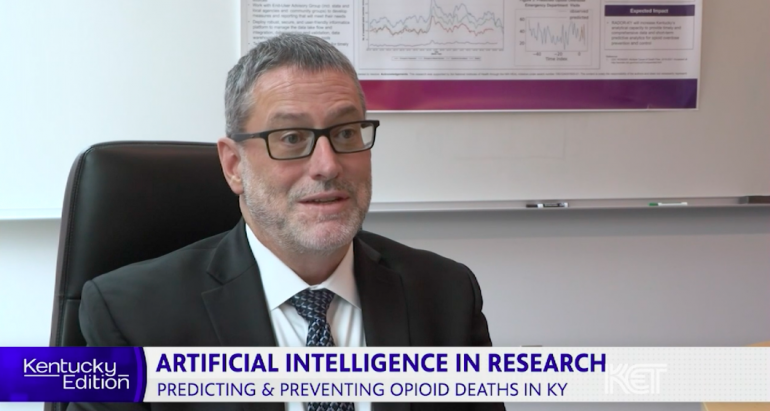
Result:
[[298, 142]]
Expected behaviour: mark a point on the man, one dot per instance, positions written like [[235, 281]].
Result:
[[297, 155]]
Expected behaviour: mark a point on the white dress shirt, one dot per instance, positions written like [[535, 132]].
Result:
[[281, 283]]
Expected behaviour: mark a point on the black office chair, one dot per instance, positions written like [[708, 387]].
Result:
[[131, 201]]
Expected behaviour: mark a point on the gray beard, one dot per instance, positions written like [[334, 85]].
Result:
[[294, 237]]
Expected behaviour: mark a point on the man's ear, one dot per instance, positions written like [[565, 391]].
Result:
[[230, 159]]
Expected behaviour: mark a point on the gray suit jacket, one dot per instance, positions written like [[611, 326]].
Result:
[[210, 294]]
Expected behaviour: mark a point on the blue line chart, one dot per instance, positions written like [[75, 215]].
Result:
[[417, 23], [556, 34]]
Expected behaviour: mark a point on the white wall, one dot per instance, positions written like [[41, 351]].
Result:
[[658, 277], [609, 278], [27, 266], [79, 72]]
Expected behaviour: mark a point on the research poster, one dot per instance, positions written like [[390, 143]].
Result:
[[500, 55]]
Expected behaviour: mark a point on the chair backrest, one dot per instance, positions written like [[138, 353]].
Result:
[[131, 201]]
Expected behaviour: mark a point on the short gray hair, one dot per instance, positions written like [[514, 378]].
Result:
[[302, 51]]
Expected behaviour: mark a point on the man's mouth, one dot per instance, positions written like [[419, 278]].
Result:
[[325, 198]]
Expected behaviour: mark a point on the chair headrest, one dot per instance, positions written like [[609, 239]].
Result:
[[131, 201]]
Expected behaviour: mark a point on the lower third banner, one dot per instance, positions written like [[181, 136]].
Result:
[[384, 374]]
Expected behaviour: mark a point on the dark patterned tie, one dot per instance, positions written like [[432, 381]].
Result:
[[312, 305]]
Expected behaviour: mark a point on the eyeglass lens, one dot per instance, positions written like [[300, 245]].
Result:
[[348, 138]]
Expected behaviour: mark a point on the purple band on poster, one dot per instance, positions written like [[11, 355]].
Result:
[[530, 94], [647, 10], [72, 374]]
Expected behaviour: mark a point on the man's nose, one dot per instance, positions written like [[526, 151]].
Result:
[[324, 162]]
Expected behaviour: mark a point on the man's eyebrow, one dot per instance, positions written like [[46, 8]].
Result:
[[343, 111], [304, 118], [288, 117]]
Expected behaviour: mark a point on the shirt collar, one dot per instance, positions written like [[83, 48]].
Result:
[[281, 283]]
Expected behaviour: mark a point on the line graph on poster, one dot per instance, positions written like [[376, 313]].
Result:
[[436, 25], [555, 39]]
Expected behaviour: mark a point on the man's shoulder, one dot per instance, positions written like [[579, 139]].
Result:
[[154, 302], [189, 261], [436, 289], [405, 259]]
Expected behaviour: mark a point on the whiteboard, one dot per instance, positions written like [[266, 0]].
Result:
[[85, 71]]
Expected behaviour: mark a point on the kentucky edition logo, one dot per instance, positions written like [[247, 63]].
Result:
[[79, 375]]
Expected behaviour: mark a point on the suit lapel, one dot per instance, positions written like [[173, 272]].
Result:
[[237, 308], [383, 305], [383, 302]]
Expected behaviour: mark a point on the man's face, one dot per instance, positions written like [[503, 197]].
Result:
[[314, 204]]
